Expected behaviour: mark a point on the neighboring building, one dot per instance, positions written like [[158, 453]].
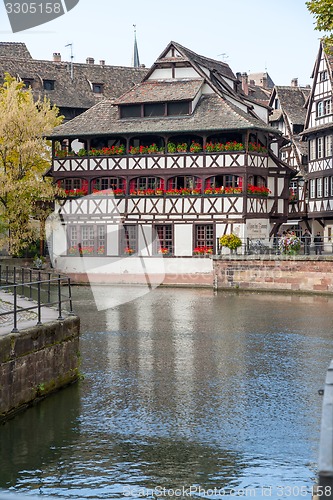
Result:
[[72, 87], [288, 115], [189, 155], [318, 132]]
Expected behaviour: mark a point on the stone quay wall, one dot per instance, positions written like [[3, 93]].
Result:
[[36, 362], [274, 273]]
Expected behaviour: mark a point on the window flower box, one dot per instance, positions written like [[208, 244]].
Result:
[[257, 190], [203, 250]]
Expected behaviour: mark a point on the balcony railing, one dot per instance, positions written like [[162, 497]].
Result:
[[175, 160]]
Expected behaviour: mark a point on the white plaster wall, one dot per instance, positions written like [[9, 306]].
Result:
[[186, 73], [183, 239], [161, 73]]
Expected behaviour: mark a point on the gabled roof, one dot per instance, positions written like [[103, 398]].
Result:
[[220, 107], [162, 91], [212, 113], [292, 102], [261, 80], [212, 71], [329, 62]]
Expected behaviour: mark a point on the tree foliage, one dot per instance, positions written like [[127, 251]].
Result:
[[25, 157], [323, 13]]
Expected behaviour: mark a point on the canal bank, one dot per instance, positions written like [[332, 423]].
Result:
[[300, 273], [274, 273], [39, 341]]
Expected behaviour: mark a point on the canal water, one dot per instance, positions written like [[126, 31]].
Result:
[[187, 394]]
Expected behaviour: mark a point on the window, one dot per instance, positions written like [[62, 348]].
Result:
[[48, 84], [312, 149], [131, 111], [86, 239], [331, 187], [320, 108], [312, 188], [326, 186], [72, 185], [323, 76], [178, 108], [204, 236], [164, 243], [104, 183], [144, 183], [320, 147], [324, 107], [297, 129], [319, 187], [97, 88], [28, 82], [184, 182], [155, 109], [328, 146], [128, 240]]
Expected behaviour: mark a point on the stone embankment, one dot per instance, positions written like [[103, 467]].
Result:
[[274, 273], [37, 361]]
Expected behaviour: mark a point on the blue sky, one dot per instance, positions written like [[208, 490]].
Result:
[[251, 36]]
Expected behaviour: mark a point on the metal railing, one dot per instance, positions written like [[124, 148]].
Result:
[[270, 246], [40, 288]]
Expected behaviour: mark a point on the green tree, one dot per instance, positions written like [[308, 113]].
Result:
[[323, 13], [25, 157]]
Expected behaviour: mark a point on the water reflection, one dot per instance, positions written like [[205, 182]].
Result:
[[182, 388]]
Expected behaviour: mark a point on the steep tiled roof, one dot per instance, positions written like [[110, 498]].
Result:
[[68, 92], [212, 113], [14, 49], [261, 80], [292, 101], [211, 64], [162, 90]]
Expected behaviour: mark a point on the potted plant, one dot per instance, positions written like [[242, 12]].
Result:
[[182, 147], [171, 147], [195, 147], [230, 241]]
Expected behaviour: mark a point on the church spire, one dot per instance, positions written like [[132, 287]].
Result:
[[136, 59]]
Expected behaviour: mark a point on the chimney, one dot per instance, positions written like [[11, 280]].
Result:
[[90, 60], [265, 81], [294, 82], [56, 57], [102, 62], [245, 85]]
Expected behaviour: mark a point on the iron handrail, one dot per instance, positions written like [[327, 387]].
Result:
[[15, 281]]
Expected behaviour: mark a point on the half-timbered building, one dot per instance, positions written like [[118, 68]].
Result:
[[288, 115], [319, 135], [187, 155]]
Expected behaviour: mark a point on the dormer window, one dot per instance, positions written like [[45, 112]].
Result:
[[177, 108], [97, 88], [27, 82], [48, 84]]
